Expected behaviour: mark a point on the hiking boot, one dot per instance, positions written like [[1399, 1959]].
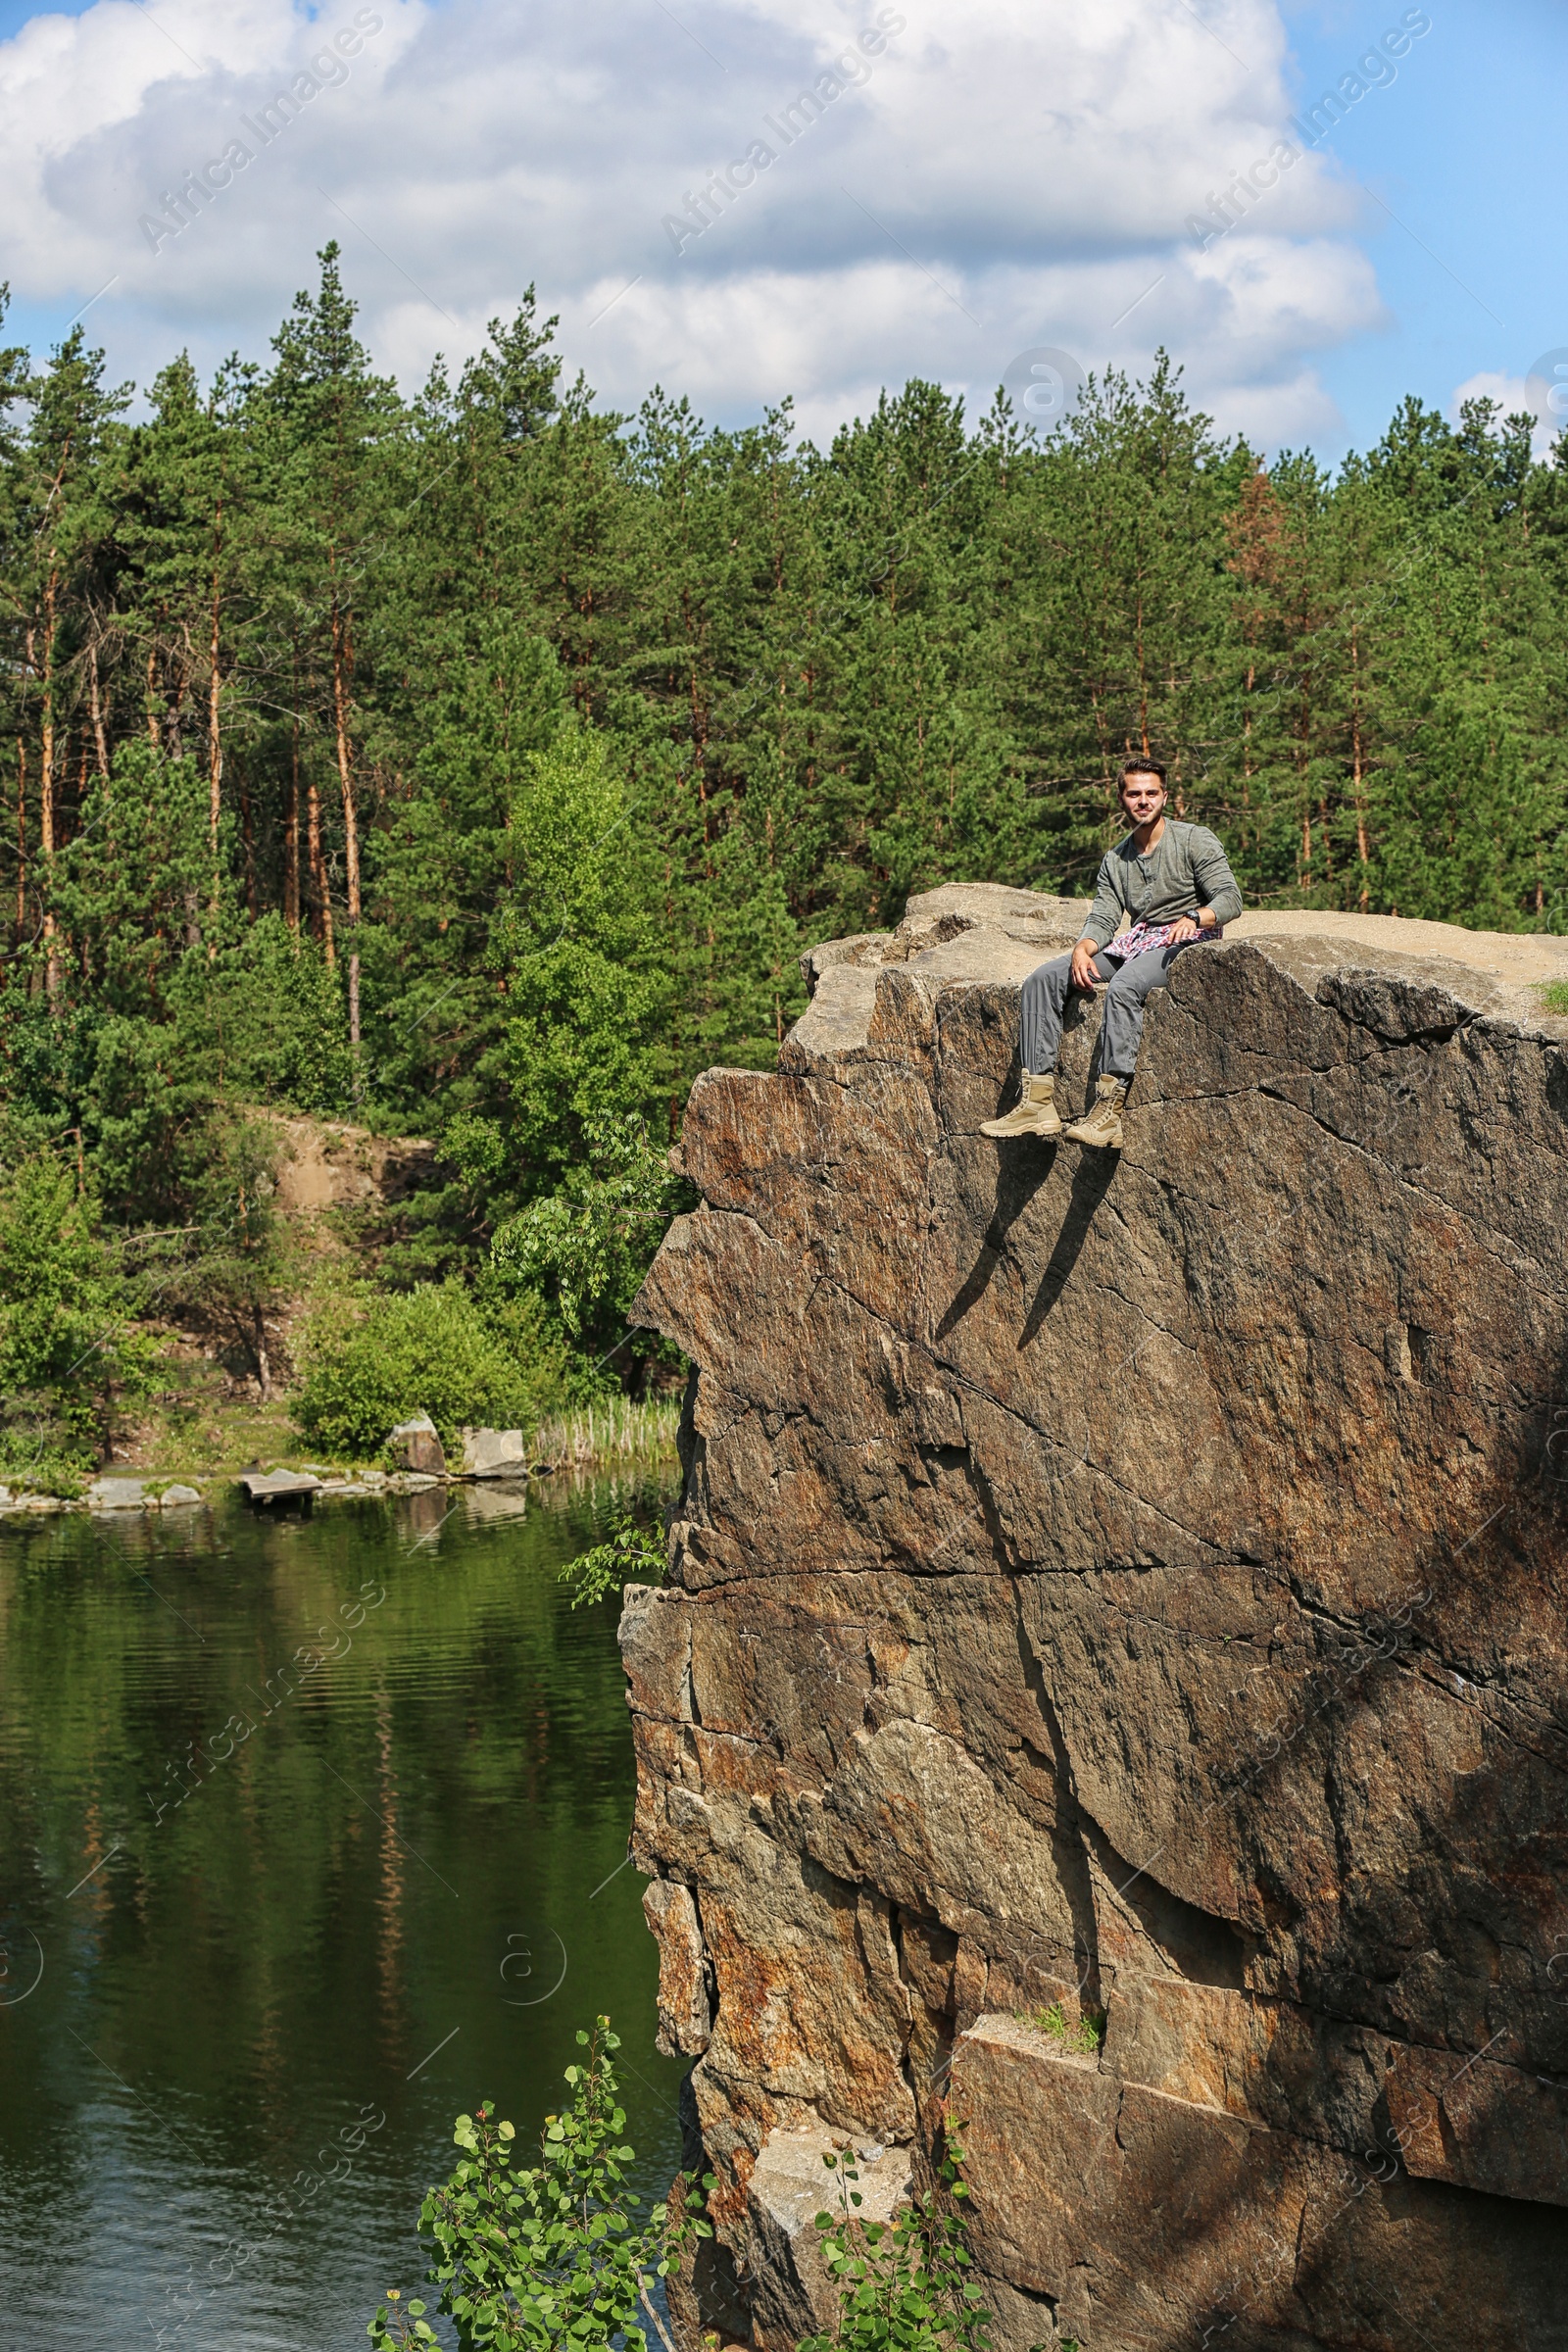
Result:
[[1102, 1124], [1036, 1112]]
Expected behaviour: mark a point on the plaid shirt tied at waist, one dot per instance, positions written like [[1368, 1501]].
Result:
[[1144, 936]]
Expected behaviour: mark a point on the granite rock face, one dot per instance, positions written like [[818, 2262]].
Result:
[[1133, 1586]]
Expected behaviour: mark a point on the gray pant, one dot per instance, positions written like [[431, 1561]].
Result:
[[1045, 993]]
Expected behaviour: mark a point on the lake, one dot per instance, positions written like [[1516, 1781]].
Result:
[[312, 1834]]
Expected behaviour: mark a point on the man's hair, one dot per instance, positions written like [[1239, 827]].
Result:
[[1140, 767]]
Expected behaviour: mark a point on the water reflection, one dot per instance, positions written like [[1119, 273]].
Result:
[[314, 1827]]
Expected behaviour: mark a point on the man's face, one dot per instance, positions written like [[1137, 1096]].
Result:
[[1143, 797]]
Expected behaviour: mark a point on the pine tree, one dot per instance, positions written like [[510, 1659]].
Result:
[[485, 760], [326, 417], [55, 519]]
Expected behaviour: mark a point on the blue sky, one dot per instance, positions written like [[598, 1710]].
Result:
[[1464, 148], [1001, 176]]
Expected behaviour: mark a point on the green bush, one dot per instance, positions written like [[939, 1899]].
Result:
[[236, 1262], [586, 1248], [427, 1350], [904, 2285], [66, 1339], [549, 2257]]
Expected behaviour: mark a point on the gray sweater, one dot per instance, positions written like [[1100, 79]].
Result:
[[1184, 871]]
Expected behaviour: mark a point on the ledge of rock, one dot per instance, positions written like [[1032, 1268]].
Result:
[[1133, 1587]]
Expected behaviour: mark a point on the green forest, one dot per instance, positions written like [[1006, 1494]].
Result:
[[478, 764]]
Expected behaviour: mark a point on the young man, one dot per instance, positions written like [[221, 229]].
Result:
[[1175, 883]]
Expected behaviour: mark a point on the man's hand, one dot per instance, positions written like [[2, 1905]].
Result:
[[1184, 928], [1084, 974]]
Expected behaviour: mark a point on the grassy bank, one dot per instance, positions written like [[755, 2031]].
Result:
[[150, 1361], [222, 1437], [616, 1431]]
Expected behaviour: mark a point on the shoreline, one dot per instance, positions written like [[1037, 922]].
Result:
[[180, 1495], [587, 1447]]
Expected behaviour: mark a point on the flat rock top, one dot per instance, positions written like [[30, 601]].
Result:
[[1518, 959], [983, 931], [1007, 2031], [259, 1487]]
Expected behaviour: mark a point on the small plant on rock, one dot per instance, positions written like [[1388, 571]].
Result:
[[1084, 2037], [902, 2285]]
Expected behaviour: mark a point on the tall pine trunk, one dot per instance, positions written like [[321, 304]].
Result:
[[46, 789], [351, 831], [99, 733], [215, 740], [22, 840], [291, 815], [318, 866], [264, 1368]]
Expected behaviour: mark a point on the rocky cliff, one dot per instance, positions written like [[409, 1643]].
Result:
[[1110, 1683]]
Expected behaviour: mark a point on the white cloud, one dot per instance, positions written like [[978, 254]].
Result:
[[1004, 173], [1516, 394]]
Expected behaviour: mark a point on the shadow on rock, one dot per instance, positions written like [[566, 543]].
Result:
[[1096, 1174], [1018, 1179]]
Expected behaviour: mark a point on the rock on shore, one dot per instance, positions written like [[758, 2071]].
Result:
[[1133, 1586]]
